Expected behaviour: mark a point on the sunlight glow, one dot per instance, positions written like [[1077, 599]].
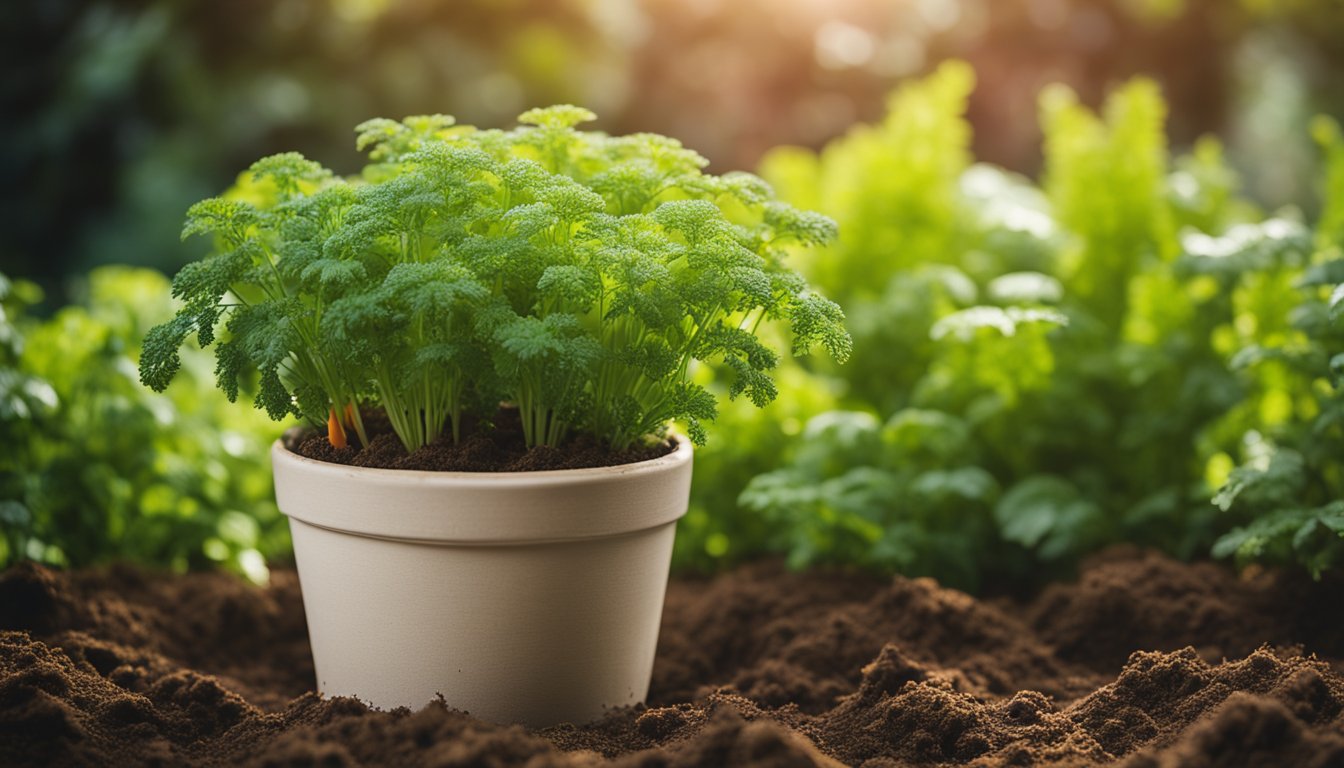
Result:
[[840, 45]]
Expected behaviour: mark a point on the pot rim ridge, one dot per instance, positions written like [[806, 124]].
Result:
[[484, 508]]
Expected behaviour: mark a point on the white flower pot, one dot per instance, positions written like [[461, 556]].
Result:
[[527, 597]]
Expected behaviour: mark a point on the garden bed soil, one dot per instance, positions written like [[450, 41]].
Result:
[[496, 445], [1142, 662]]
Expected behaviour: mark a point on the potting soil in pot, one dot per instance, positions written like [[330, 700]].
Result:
[[1142, 662], [497, 447]]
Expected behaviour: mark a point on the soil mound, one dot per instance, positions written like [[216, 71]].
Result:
[[1143, 662]]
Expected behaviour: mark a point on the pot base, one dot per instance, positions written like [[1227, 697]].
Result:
[[536, 634]]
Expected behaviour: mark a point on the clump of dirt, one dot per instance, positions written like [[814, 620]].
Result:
[[496, 445], [1144, 661], [1126, 601], [136, 624], [1248, 730]]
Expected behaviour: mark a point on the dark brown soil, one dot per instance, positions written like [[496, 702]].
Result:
[[493, 446], [1144, 662]]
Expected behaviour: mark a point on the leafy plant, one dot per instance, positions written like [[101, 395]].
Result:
[[1099, 348], [906, 494], [97, 468], [1288, 490], [587, 273], [713, 531]]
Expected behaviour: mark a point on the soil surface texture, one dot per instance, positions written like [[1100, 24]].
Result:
[[496, 445], [1143, 662]]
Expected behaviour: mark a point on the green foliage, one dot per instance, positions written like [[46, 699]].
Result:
[[586, 273], [1286, 494], [713, 531], [1106, 181], [1095, 355], [97, 468], [907, 494], [896, 182]]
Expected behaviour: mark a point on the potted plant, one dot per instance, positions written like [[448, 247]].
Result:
[[576, 278]]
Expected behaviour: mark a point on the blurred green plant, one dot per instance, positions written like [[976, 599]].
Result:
[[1040, 372], [98, 468], [1289, 490], [714, 532]]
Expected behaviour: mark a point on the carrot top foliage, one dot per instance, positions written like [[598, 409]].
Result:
[[575, 274]]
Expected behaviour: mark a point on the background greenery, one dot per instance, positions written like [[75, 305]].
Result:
[[1093, 339], [97, 467], [120, 113], [1040, 371]]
